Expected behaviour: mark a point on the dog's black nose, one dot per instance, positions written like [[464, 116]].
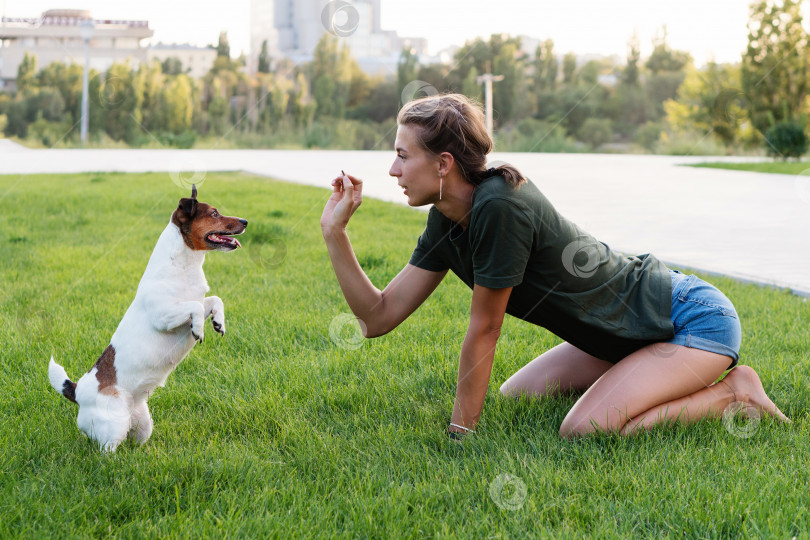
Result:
[[243, 222]]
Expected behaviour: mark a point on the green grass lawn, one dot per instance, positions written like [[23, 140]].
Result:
[[281, 429], [780, 167]]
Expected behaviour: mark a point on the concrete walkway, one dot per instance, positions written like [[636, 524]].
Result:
[[751, 226]]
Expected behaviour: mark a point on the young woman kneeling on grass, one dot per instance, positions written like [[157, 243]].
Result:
[[645, 342]]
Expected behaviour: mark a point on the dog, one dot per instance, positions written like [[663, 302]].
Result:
[[161, 326]]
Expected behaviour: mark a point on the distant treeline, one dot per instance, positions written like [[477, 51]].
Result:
[[659, 104]]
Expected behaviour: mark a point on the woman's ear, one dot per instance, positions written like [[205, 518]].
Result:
[[446, 161]]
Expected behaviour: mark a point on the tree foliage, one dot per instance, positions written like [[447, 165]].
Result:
[[264, 59], [774, 66], [545, 101], [223, 47], [787, 139]]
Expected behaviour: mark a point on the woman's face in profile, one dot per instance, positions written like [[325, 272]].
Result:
[[416, 170]]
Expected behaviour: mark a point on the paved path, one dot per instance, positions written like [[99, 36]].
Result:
[[747, 225]]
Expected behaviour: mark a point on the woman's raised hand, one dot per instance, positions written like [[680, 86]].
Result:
[[347, 194]]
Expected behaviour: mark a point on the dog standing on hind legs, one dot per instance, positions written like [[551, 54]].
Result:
[[161, 326]]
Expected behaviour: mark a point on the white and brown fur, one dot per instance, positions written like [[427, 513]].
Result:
[[161, 326]]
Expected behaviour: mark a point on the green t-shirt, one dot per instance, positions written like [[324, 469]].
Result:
[[606, 304]]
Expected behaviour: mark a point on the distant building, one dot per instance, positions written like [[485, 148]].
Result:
[[55, 37], [292, 29], [196, 61]]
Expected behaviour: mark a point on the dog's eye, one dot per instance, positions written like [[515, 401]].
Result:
[[214, 214]]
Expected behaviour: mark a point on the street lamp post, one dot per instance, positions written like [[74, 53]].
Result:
[[86, 28], [488, 79]]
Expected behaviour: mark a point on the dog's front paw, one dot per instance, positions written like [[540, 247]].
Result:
[[218, 321], [197, 332], [218, 326]]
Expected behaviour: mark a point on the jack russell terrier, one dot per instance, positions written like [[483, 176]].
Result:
[[158, 330]]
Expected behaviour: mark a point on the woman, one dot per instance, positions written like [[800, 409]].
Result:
[[646, 343]]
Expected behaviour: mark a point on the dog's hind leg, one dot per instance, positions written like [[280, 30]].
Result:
[[141, 423], [105, 419], [214, 306]]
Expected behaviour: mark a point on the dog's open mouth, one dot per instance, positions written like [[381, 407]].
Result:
[[222, 241]]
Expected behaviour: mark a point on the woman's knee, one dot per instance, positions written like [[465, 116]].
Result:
[[507, 389], [572, 427]]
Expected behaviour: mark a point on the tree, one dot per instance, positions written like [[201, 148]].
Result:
[[264, 59], [774, 66], [407, 67], [46, 103], [219, 108], [331, 77], [630, 74], [359, 86], [383, 102], [150, 79], [175, 105], [26, 72], [302, 103], [471, 87], [172, 66], [478, 54], [121, 103], [663, 58], [274, 92], [546, 67], [628, 104], [223, 48], [710, 100], [68, 79], [569, 69], [667, 72], [506, 94], [589, 73]]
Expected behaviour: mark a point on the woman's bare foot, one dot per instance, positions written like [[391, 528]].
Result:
[[747, 388]]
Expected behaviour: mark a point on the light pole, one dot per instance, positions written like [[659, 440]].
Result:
[[487, 79], [86, 28]]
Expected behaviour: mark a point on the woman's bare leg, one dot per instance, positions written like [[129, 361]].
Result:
[[648, 384], [742, 384], [560, 369]]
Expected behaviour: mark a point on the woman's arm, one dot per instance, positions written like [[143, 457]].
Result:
[[475, 364], [379, 312]]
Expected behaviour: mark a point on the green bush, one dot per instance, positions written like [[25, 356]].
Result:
[[596, 132], [16, 124], [786, 139], [48, 133], [690, 143], [184, 140], [349, 135], [648, 135], [532, 135]]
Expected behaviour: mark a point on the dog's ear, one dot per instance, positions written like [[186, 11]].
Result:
[[194, 191], [188, 206]]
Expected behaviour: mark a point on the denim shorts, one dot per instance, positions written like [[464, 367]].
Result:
[[703, 317]]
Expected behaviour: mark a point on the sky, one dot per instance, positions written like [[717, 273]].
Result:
[[708, 29]]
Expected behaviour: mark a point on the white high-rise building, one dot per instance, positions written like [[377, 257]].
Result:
[[293, 28]]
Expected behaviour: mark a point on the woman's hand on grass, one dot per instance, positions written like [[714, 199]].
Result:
[[347, 194]]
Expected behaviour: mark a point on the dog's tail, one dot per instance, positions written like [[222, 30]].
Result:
[[60, 382]]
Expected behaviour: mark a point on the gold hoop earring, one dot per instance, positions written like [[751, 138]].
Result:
[[440, 186]]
